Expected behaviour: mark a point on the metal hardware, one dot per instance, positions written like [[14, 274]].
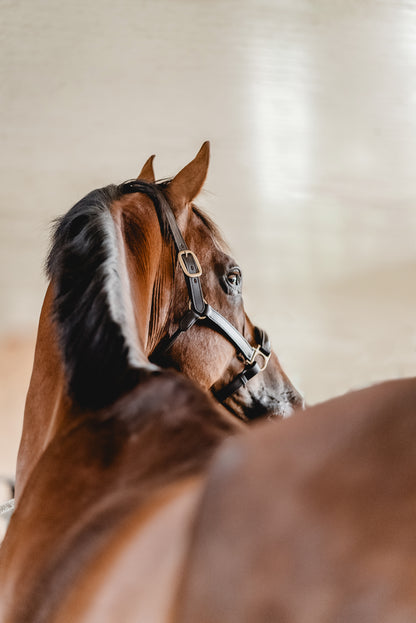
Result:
[[185, 253], [259, 353], [191, 308]]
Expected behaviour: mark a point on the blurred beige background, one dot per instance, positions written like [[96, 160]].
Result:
[[311, 110]]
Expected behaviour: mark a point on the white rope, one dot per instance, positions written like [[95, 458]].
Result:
[[7, 507]]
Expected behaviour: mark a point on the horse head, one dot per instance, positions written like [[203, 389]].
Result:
[[206, 353], [140, 278]]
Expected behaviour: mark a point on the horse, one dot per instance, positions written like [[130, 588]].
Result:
[[126, 286], [312, 520], [116, 442], [145, 506]]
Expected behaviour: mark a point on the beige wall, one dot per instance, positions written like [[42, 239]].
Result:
[[310, 107]]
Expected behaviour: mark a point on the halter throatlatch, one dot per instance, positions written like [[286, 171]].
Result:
[[255, 358]]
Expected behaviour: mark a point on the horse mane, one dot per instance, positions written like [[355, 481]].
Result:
[[100, 357], [100, 360]]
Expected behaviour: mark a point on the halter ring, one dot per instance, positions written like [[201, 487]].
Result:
[[199, 317], [258, 352]]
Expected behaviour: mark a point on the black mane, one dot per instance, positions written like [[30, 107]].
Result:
[[95, 352]]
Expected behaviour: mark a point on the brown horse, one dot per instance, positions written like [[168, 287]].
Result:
[[114, 449], [312, 520], [126, 286]]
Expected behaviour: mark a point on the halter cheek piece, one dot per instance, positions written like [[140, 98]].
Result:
[[200, 311]]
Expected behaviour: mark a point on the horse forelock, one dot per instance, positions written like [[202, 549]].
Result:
[[212, 228]]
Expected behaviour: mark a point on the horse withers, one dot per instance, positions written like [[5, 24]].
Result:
[[137, 271]]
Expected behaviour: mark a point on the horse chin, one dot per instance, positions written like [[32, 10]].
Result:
[[247, 406]]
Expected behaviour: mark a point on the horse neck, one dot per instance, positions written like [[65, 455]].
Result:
[[48, 405], [47, 400]]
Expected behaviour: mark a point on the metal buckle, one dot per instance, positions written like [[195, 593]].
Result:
[[187, 252], [259, 352]]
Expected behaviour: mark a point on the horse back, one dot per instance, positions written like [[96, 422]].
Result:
[[313, 519]]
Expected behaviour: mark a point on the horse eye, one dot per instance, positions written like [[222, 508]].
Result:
[[234, 278]]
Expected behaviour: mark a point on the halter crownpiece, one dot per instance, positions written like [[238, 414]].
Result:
[[201, 312]]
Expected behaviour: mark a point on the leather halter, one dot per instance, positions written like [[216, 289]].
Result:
[[201, 312]]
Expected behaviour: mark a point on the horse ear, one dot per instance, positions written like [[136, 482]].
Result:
[[187, 184], [147, 174]]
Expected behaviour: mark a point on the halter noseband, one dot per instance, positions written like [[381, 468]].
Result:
[[200, 311]]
